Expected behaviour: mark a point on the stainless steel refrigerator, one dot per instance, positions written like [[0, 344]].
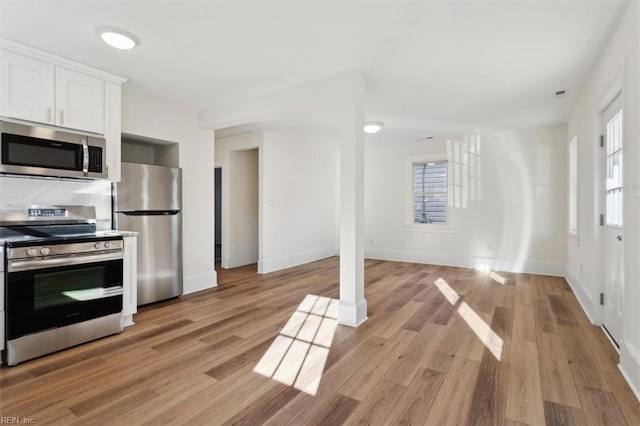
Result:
[[148, 200]]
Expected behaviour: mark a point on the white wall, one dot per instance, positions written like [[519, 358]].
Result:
[[507, 199], [243, 208], [617, 68], [151, 117], [23, 191], [299, 196]]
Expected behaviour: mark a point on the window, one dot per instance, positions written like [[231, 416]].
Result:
[[429, 200], [572, 220], [614, 170]]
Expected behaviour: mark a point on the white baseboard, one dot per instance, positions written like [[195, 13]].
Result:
[[352, 314], [531, 267], [272, 265], [588, 304], [127, 321], [630, 367], [202, 281]]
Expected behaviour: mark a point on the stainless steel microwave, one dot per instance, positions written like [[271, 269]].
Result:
[[49, 152]]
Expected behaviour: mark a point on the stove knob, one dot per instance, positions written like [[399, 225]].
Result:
[[32, 252], [107, 245], [45, 251], [98, 246]]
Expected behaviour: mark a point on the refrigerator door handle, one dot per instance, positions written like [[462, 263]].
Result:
[[151, 213]]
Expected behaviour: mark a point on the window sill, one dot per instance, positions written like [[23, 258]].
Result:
[[434, 229]]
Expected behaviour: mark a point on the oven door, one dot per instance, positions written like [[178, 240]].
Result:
[[50, 293]]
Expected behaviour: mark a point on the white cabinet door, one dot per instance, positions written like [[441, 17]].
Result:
[[130, 280], [79, 101], [27, 88], [112, 128], [2, 290]]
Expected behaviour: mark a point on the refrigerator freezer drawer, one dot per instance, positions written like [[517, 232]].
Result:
[[159, 253]]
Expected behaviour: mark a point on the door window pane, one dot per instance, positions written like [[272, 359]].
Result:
[[614, 171]]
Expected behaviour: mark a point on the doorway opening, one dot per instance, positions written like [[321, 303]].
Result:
[[218, 215]]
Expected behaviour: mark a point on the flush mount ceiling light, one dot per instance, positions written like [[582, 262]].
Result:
[[117, 38], [373, 126]]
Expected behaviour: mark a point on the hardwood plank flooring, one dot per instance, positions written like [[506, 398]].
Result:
[[441, 346]]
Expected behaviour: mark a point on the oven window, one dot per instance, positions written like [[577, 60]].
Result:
[[41, 299], [62, 288]]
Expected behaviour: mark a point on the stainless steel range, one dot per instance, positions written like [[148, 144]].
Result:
[[63, 279]]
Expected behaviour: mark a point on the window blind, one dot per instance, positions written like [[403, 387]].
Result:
[[430, 192]]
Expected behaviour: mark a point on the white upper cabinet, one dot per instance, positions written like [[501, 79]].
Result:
[[79, 101], [41, 92], [27, 88]]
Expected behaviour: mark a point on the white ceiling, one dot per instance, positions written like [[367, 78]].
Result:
[[480, 63]]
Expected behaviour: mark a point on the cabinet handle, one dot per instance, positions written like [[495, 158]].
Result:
[[49, 115], [62, 117]]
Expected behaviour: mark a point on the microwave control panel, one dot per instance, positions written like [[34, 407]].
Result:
[[95, 159]]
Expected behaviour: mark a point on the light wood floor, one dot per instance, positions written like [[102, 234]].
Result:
[[532, 359]]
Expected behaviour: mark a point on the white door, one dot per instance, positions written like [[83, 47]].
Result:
[[79, 101], [613, 219], [27, 88]]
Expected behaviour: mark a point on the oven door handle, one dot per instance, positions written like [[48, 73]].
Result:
[[78, 259]]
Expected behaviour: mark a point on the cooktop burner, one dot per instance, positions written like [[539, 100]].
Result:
[[30, 225]]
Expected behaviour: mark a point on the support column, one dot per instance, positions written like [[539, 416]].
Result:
[[352, 309]]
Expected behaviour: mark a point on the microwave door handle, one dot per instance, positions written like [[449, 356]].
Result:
[[85, 157]]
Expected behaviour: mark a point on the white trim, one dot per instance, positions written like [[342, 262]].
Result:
[[126, 321], [593, 312], [462, 261], [575, 236], [202, 281], [271, 265], [573, 141], [59, 61], [352, 314], [433, 228], [629, 366]]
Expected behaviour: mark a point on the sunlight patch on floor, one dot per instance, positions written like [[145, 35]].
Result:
[[298, 354], [482, 330], [446, 290], [485, 269], [497, 278], [491, 340]]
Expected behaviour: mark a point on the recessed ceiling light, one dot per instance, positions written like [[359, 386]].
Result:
[[373, 126], [117, 38]]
